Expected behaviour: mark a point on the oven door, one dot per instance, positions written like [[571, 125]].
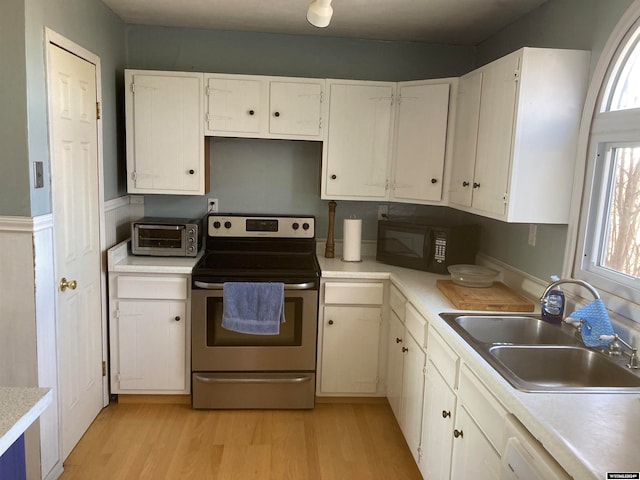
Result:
[[213, 348]]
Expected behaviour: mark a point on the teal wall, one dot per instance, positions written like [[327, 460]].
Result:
[[14, 165], [578, 24]]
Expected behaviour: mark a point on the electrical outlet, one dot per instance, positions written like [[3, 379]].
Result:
[[383, 212], [533, 232], [212, 205]]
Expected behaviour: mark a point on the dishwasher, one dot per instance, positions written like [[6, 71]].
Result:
[[524, 458]]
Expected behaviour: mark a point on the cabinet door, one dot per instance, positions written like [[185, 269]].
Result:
[[233, 105], [437, 426], [357, 151], [412, 394], [295, 108], [151, 345], [466, 138], [473, 455], [395, 360], [350, 349], [165, 133], [421, 135], [495, 134]]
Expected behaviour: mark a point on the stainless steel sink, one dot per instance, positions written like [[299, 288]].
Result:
[[561, 368], [513, 329], [536, 356]]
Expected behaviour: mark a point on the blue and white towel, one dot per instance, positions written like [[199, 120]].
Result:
[[253, 307], [595, 322]]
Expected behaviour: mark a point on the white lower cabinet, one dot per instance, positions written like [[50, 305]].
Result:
[[349, 336], [412, 394], [149, 333], [394, 363]]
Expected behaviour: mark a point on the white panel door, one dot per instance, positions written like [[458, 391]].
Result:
[[495, 134], [234, 105], [358, 146], [151, 345], [420, 142], [77, 240], [295, 108], [350, 349], [466, 139]]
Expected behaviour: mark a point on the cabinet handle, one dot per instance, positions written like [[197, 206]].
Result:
[[434, 180], [330, 322], [251, 112], [458, 433], [276, 114], [177, 318], [446, 414], [476, 185], [465, 184], [333, 177], [405, 349], [192, 171], [398, 340]]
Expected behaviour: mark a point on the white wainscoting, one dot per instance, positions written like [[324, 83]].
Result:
[[118, 215]]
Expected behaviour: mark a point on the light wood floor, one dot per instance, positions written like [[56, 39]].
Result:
[[334, 441]]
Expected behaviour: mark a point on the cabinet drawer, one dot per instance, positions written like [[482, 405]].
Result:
[[162, 288], [397, 302], [353, 293], [416, 325], [443, 357], [487, 412]]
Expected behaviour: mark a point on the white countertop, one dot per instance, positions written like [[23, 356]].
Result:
[[119, 259], [19, 408], [588, 434]]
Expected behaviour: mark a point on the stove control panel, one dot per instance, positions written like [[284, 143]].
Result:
[[220, 225]]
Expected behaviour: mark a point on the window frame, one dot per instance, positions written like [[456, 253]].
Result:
[[599, 130]]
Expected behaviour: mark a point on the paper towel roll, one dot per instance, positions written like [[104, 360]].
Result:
[[352, 239]]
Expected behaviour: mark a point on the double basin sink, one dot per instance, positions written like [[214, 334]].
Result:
[[537, 356]]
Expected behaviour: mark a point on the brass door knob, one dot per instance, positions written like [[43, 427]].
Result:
[[64, 284]]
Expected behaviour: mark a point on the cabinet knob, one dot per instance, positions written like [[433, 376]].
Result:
[[457, 433], [177, 318], [476, 185], [434, 180], [465, 184], [330, 322], [398, 340], [192, 171], [446, 414], [276, 114], [333, 177], [405, 349], [64, 284], [251, 112]]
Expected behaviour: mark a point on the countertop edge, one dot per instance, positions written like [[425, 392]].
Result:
[[26, 416]]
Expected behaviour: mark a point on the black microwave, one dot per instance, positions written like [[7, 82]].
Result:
[[426, 244]]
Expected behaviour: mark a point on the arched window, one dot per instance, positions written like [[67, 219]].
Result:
[[605, 248]]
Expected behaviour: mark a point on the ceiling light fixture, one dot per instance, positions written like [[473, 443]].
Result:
[[319, 13]]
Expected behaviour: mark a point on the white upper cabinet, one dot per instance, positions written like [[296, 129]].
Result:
[[516, 133], [263, 107], [165, 132], [357, 147], [421, 141]]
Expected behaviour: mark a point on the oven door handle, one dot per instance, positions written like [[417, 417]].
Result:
[[287, 286], [294, 379]]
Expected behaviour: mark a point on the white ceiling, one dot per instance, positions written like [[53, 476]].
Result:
[[456, 22]]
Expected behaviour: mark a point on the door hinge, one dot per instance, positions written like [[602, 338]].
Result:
[[104, 368], [505, 198], [133, 88], [134, 176], [98, 111]]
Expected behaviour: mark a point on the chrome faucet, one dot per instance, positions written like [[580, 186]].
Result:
[[551, 286]]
